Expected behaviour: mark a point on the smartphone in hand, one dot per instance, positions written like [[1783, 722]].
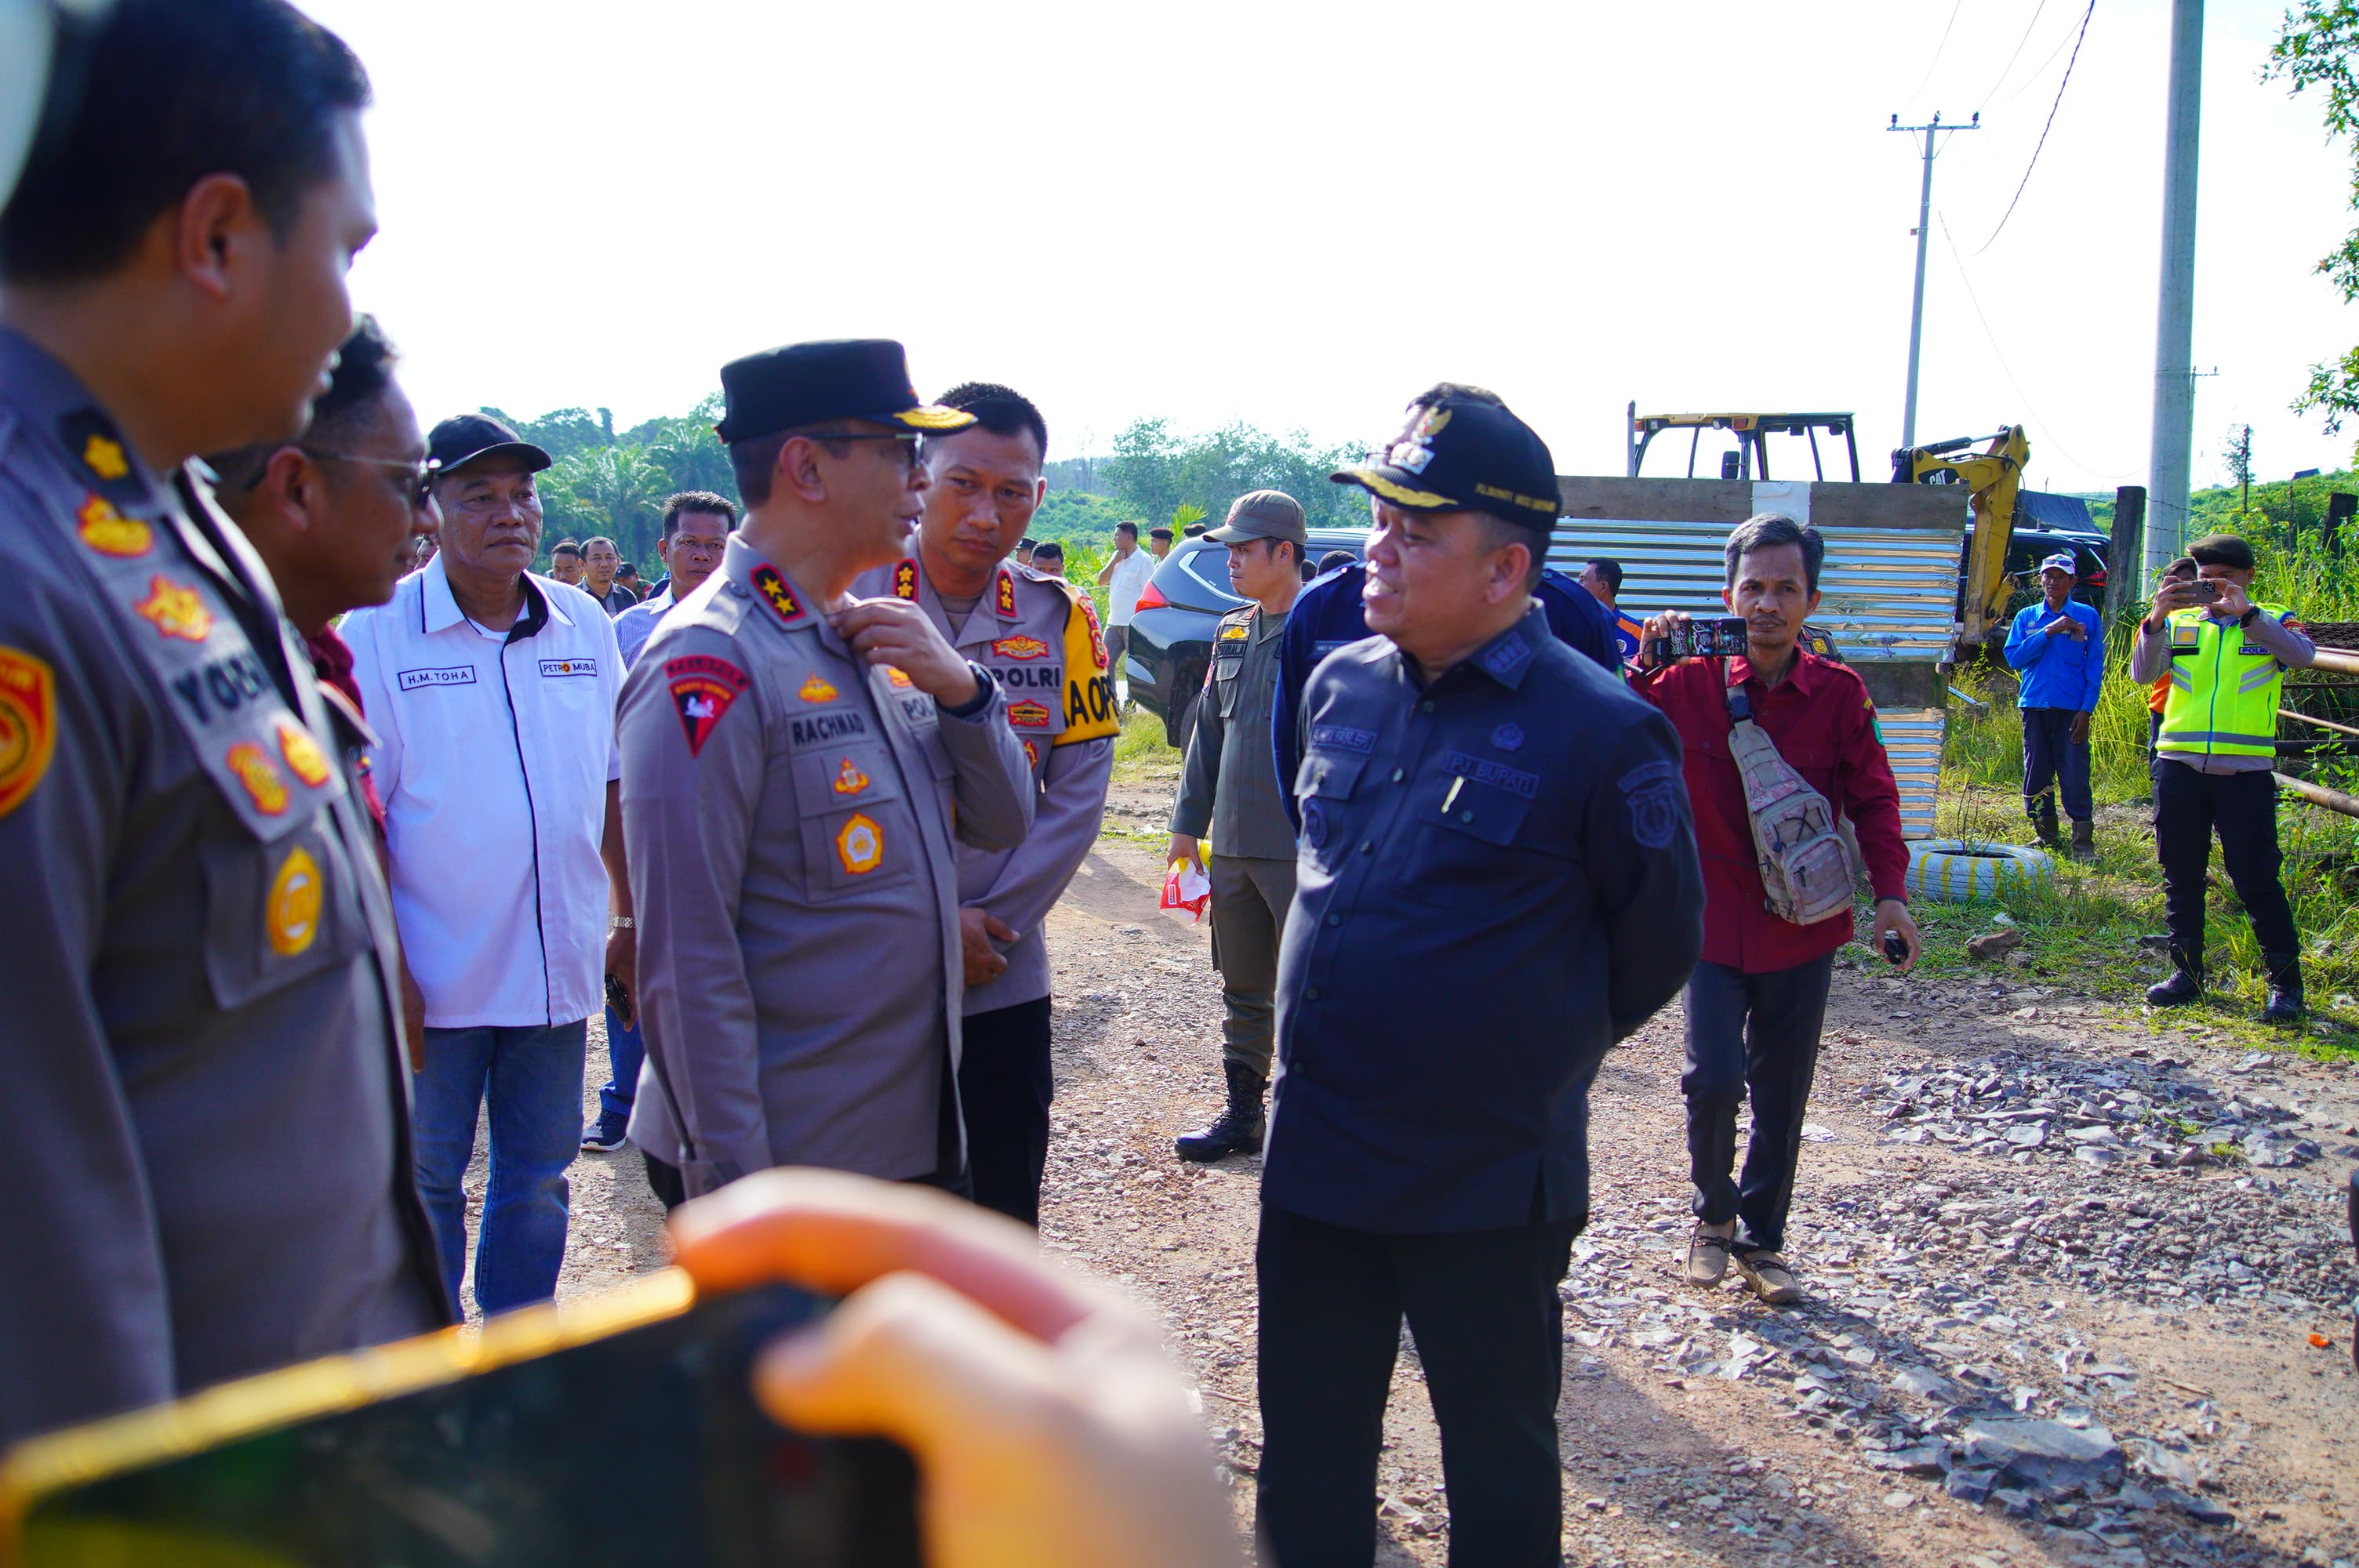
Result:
[[616, 1430]]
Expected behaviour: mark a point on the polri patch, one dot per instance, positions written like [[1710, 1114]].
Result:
[[702, 687], [1498, 775], [1343, 738], [28, 725], [1652, 792]]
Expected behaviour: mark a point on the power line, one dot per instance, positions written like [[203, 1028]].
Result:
[[2060, 86], [2047, 430], [2033, 80], [2001, 81], [1957, 7]]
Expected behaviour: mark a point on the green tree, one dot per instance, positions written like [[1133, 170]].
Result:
[[620, 489], [685, 448], [2317, 47]]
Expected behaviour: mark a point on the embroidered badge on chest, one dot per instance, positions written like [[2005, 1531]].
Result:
[[1032, 752], [260, 776], [1028, 714], [1020, 648], [860, 845], [702, 687], [28, 731], [849, 779], [291, 913], [814, 690], [304, 757], [1508, 737], [175, 609], [109, 531]]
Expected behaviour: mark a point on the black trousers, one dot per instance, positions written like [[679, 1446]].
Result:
[[1005, 1084], [1490, 1333], [1757, 1035], [2188, 806]]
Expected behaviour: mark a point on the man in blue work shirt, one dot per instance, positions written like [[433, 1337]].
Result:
[[1496, 881], [1602, 578], [2058, 648], [1327, 615]]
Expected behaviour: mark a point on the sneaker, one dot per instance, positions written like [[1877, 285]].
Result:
[[1766, 1275], [605, 1135], [1708, 1253]]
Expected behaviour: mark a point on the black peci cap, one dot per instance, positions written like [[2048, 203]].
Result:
[[2221, 550], [462, 439], [1463, 454], [812, 383]]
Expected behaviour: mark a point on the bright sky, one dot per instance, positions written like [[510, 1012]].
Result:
[[1301, 214]]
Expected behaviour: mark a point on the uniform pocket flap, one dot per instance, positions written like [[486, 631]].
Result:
[[1330, 775], [1493, 815]]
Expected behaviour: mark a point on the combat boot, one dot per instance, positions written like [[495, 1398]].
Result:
[[2043, 823], [1238, 1129], [2186, 982], [2285, 1004], [2085, 839]]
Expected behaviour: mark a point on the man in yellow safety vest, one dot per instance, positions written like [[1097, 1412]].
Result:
[[2226, 657]]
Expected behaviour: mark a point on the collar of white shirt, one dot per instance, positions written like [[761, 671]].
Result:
[[438, 607]]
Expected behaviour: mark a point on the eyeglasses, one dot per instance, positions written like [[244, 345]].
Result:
[[908, 439], [422, 471]]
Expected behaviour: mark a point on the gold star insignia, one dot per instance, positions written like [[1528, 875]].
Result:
[[103, 456]]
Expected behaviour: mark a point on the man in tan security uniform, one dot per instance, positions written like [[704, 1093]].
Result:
[[799, 768], [207, 1164], [1039, 637]]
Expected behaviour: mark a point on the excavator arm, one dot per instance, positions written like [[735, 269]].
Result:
[[1991, 478]]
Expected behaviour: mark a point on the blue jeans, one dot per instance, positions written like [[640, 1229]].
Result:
[[625, 1050], [533, 1079], [2049, 757]]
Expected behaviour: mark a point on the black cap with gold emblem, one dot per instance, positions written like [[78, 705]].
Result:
[[814, 383], [1464, 450]]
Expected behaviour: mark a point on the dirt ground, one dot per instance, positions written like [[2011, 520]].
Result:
[[2162, 1308]]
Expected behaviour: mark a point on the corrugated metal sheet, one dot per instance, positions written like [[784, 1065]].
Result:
[[1913, 739], [1890, 594]]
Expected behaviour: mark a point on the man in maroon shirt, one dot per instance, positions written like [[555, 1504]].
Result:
[[1758, 995]]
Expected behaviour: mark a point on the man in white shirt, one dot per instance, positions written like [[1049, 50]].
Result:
[[1123, 576], [493, 693], [696, 525]]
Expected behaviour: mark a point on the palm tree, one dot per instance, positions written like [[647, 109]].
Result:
[[619, 486]]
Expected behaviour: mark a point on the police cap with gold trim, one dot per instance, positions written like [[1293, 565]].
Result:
[[1464, 451], [818, 383]]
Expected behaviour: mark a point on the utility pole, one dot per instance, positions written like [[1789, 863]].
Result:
[[1924, 216], [2173, 439]]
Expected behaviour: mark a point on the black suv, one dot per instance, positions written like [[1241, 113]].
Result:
[[1171, 635]]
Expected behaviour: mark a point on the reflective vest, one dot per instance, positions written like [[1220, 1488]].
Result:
[[2223, 692]]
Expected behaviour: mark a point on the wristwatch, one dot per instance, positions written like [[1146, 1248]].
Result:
[[620, 923], [2246, 618]]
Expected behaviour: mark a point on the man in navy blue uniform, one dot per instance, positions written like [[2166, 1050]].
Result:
[[1497, 880], [1327, 615]]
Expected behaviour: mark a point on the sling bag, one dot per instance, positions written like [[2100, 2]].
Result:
[[1804, 846]]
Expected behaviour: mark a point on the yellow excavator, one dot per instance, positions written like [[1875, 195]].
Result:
[[1992, 477]]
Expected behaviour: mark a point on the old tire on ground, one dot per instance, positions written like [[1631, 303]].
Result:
[[1952, 870]]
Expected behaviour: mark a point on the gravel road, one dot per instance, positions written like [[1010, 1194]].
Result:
[[2064, 1275]]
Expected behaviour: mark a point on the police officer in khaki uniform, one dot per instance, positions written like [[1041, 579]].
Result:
[[1038, 636], [207, 1164], [1230, 785], [799, 767]]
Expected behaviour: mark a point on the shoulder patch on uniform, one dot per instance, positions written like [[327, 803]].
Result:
[[1005, 600], [770, 587], [1091, 713], [702, 688], [1651, 792], [905, 580], [109, 531], [29, 721]]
